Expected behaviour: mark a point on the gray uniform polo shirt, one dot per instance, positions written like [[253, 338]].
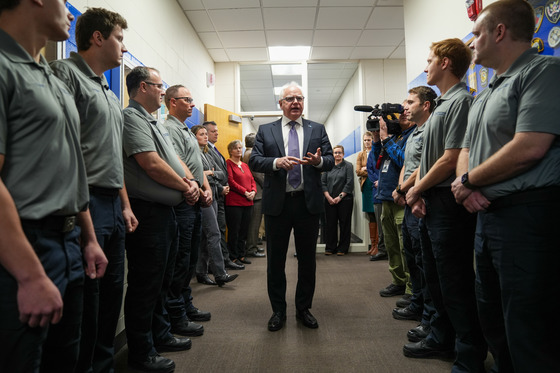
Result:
[[186, 146], [40, 137], [413, 151], [445, 128], [101, 121], [523, 99], [143, 133]]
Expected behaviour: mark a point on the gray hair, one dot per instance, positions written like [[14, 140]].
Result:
[[288, 85]]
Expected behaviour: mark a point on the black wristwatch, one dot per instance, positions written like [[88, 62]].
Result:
[[465, 181], [400, 191]]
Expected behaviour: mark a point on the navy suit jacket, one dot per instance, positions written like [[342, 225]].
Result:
[[269, 144]]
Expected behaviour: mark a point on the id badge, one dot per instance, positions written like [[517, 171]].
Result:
[[386, 165]]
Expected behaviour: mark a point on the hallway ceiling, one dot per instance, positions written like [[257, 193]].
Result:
[[336, 30]]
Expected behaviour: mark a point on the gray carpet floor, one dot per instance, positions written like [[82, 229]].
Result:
[[356, 330]]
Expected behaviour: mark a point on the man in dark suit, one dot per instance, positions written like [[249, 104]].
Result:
[[292, 152]]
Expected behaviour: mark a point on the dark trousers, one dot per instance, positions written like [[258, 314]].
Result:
[[222, 224], [53, 348], [103, 297], [254, 225], [442, 333], [238, 218], [294, 216], [413, 255], [189, 224], [151, 255], [337, 217], [517, 256], [451, 229]]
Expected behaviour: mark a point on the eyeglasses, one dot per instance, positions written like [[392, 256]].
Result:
[[158, 86], [190, 100], [291, 99]]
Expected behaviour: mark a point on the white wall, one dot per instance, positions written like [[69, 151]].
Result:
[[160, 35], [427, 21], [375, 82]]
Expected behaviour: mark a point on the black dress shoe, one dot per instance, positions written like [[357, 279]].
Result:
[[307, 319], [418, 333], [406, 314], [256, 255], [379, 256], [221, 280], [392, 290], [421, 350], [204, 279], [154, 363], [231, 265], [187, 328], [174, 344], [404, 301], [276, 321], [243, 260], [195, 314]]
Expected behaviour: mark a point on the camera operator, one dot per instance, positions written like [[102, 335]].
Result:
[[388, 156]]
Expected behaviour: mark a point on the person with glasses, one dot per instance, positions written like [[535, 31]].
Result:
[[99, 37], [292, 152], [338, 188], [179, 305], [157, 180], [239, 202]]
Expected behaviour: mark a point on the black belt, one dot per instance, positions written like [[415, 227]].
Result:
[[62, 224], [113, 192], [295, 193], [527, 196]]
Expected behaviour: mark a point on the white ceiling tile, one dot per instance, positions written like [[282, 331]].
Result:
[[348, 2], [200, 20], [288, 3], [218, 55], [399, 53], [240, 39], [191, 4], [363, 53], [381, 38], [237, 19], [289, 19], [329, 53], [230, 4], [210, 40], [248, 54], [342, 18], [335, 38], [289, 38], [386, 17]]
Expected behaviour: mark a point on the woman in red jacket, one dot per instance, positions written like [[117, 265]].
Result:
[[239, 202]]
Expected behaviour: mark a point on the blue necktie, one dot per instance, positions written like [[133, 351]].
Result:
[[294, 175]]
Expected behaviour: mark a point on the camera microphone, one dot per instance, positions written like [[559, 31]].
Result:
[[366, 108]]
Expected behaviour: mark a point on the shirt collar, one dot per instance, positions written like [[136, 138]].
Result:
[[286, 121], [517, 65], [86, 69], [457, 88], [16, 53]]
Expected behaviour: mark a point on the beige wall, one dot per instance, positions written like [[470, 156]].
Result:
[[427, 21]]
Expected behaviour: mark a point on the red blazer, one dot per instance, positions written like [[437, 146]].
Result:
[[240, 180]]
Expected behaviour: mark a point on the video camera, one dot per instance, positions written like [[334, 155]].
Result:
[[387, 112]]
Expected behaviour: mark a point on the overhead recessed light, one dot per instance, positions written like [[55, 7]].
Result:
[[288, 53]]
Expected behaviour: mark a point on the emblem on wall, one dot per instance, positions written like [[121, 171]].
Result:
[[554, 37], [538, 43], [483, 77], [539, 15], [552, 10]]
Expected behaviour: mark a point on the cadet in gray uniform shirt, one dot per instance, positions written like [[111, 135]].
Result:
[[43, 187], [156, 181], [99, 35], [512, 155]]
